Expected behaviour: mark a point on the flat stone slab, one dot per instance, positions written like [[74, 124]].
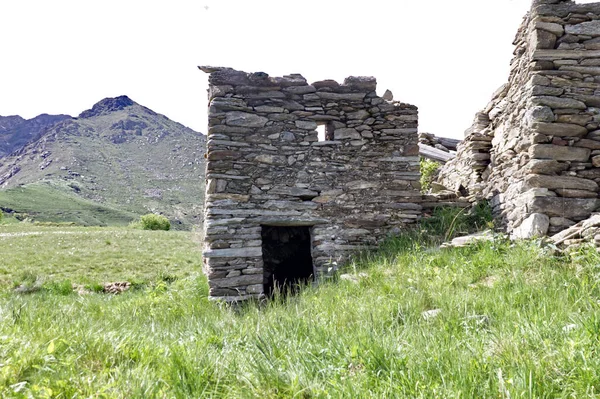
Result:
[[245, 119], [591, 28], [558, 102], [559, 153], [560, 182], [249, 252], [469, 240], [560, 129], [549, 55], [570, 208], [240, 281]]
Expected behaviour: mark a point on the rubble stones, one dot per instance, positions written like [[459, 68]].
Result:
[[117, 287]]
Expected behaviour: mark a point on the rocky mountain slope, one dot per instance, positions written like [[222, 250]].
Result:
[[119, 155], [16, 132]]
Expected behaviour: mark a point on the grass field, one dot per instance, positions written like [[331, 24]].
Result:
[[46, 202], [509, 321]]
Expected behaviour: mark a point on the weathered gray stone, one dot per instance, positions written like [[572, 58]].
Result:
[[571, 193], [561, 222], [341, 96], [268, 109], [239, 281], [558, 102], [271, 159], [582, 120], [554, 28], [559, 153], [245, 119], [545, 167], [306, 125], [539, 114], [536, 225], [249, 252], [546, 91], [360, 115], [542, 39], [591, 28], [591, 144], [581, 69], [570, 208], [564, 54], [346, 133], [229, 104], [294, 191], [560, 182], [471, 239]]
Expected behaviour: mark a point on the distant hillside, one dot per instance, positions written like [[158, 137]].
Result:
[[118, 156], [16, 132]]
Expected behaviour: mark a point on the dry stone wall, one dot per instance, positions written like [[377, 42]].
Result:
[[535, 149], [267, 167]]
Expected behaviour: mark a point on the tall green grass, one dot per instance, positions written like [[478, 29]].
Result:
[[513, 321]]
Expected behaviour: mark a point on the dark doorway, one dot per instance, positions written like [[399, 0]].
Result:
[[287, 259]]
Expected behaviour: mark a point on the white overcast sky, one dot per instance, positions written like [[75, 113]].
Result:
[[62, 56]]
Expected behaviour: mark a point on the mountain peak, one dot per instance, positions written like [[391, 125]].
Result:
[[107, 105]]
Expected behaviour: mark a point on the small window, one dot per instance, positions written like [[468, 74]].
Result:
[[325, 131], [321, 132]]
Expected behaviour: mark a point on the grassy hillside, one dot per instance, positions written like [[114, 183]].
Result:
[[498, 319], [119, 155], [55, 202]]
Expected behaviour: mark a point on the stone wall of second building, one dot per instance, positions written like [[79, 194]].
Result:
[[534, 151]]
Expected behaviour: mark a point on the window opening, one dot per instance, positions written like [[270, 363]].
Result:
[[325, 131], [321, 132]]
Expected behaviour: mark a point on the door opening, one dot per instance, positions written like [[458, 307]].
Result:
[[287, 258]]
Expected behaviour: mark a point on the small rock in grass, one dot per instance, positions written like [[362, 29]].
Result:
[[354, 278], [24, 289], [469, 240], [431, 314], [116, 288], [80, 289]]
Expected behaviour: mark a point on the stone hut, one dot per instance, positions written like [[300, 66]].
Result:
[[301, 175], [535, 149]]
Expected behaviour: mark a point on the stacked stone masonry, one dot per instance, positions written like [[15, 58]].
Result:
[[267, 166], [535, 149]]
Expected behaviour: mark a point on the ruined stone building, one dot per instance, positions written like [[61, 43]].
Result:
[[535, 149], [300, 175]]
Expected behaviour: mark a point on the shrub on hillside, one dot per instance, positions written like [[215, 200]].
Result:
[[153, 221]]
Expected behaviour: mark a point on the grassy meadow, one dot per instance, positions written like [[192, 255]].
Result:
[[495, 320], [55, 202]]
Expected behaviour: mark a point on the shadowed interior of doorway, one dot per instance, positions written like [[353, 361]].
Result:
[[287, 258]]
